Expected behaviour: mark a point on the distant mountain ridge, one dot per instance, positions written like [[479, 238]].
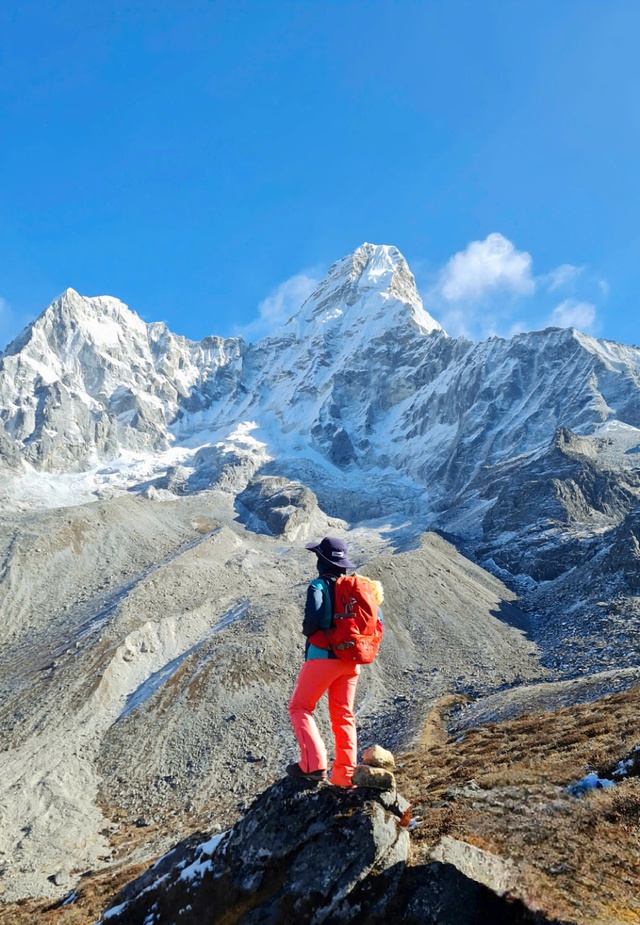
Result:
[[360, 382], [360, 397]]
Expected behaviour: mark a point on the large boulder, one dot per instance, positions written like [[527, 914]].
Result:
[[277, 506], [302, 853]]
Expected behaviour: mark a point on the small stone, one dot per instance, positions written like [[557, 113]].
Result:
[[395, 803], [366, 776], [378, 757]]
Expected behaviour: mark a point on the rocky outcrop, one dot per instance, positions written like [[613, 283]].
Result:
[[302, 853], [622, 558], [573, 481], [279, 507], [322, 855]]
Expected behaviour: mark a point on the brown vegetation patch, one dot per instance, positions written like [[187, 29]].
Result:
[[204, 525], [502, 788], [95, 891]]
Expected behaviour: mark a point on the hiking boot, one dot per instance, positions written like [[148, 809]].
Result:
[[294, 770]]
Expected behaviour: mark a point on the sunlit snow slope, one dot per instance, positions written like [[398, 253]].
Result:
[[360, 394]]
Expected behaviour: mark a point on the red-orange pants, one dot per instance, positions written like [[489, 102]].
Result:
[[339, 679]]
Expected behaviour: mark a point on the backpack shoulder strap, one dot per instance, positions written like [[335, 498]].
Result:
[[323, 585]]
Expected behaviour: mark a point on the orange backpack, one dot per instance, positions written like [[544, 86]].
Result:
[[357, 632]]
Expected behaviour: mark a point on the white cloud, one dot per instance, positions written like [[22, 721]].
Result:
[[280, 305], [486, 266], [573, 314], [489, 289], [460, 323], [562, 276], [518, 327]]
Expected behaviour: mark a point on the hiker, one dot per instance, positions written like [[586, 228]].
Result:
[[324, 671]]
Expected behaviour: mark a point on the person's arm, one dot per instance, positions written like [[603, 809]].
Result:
[[315, 610]]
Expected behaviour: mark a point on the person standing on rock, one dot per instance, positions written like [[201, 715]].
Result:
[[322, 672]]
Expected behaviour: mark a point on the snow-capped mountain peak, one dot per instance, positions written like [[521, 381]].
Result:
[[73, 320], [361, 380], [103, 317], [369, 293]]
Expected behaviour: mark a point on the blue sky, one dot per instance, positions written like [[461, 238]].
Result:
[[206, 161]]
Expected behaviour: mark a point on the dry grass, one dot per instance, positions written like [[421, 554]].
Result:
[[95, 893], [501, 788]]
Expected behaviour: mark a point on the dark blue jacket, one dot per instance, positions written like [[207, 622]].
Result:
[[319, 608]]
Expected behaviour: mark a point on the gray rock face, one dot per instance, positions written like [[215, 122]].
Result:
[[282, 507], [561, 527], [318, 854], [440, 894], [568, 487], [300, 854], [622, 558]]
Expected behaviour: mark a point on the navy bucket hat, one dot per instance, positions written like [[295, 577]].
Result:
[[332, 550]]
